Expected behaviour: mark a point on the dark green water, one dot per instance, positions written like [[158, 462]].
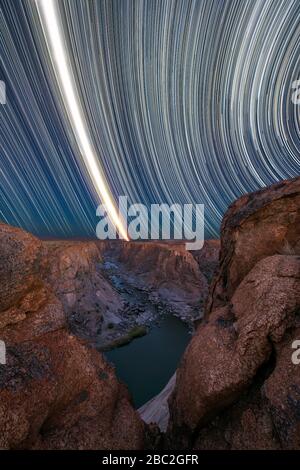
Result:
[[147, 363]]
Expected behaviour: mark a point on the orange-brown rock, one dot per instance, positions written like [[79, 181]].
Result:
[[20, 262], [257, 225], [237, 387], [55, 392]]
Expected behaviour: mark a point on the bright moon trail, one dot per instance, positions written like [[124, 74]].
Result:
[[54, 37]]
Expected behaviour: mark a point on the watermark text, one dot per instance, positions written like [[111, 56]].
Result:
[[161, 222]]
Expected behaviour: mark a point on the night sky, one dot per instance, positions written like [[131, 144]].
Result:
[[182, 102]]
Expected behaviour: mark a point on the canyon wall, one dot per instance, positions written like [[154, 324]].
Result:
[[55, 391]]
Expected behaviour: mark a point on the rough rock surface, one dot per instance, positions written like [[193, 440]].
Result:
[[89, 300], [237, 387], [208, 258], [55, 392], [257, 225], [20, 262]]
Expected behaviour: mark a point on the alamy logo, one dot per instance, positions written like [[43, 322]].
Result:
[[162, 222], [2, 353], [2, 92]]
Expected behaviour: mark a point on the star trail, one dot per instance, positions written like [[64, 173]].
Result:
[[179, 101]]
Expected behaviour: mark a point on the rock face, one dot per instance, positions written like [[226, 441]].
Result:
[[237, 387], [19, 265], [208, 258], [89, 300], [172, 275], [55, 392], [257, 225]]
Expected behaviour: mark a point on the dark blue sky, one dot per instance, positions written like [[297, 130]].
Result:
[[184, 102]]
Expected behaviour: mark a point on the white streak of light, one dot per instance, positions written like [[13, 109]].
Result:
[[50, 24]]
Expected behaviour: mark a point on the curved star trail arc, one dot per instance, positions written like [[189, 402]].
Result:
[[185, 101]]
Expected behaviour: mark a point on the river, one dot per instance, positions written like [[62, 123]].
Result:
[[147, 363]]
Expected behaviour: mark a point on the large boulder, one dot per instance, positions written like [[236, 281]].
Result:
[[237, 386], [57, 394], [257, 225]]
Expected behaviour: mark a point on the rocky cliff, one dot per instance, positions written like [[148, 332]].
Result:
[[237, 387], [55, 392]]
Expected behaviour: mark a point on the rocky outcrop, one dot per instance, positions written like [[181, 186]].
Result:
[[257, 225], [20, 262], [55, 392], [237, 387]]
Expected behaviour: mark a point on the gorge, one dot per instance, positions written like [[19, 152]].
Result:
[[65, 305]]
